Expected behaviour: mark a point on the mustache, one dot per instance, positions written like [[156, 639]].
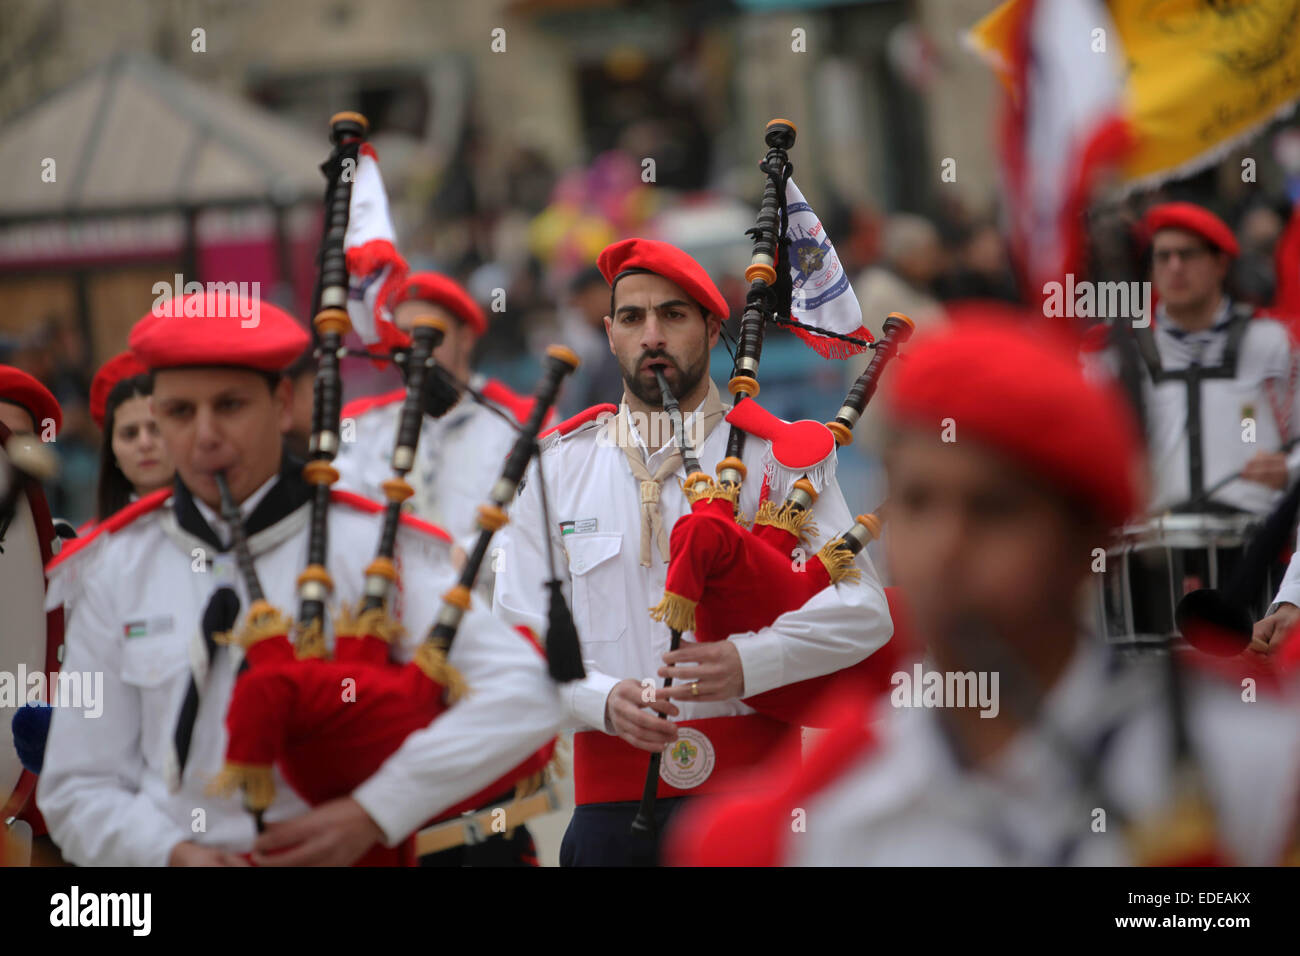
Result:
[[656, 355]]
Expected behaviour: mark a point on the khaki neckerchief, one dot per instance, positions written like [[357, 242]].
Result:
[[652, 527]]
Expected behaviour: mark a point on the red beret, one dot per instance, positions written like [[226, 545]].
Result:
[[664, 260], [1018, 389], [451, 295], [218, 330], [121, 366], [19, 388], [1193, 218]]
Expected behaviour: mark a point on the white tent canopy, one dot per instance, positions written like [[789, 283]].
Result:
[[134, 134]]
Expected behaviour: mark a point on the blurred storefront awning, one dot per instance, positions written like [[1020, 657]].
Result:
[[133, 136]]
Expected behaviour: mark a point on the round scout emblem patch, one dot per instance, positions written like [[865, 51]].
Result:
[[687, 761]]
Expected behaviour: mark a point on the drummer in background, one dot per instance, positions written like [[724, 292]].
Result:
[[1218, 384], [133, 460]]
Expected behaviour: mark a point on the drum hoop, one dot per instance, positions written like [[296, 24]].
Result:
[[18, 801]]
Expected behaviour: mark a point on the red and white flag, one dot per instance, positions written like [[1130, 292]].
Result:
[[1064, 122], [375, 267]]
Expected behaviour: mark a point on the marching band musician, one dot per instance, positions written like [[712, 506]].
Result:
[[1069, 761], [112, 788], [460, 452], [612, 496], [1218, 386]]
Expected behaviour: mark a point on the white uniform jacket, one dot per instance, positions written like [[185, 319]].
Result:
[[594, 496], [1216, 399], [459, 457], [906, 801], [140, 604]]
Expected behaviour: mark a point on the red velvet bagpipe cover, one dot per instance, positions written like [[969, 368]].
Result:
[[330, 724], [742, 580]]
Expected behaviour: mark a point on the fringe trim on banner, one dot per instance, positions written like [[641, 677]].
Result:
[[255, 780], [376, 622], [675, 611], [433, 661], [839, 562], [781, 479], [797, 521], [310, 642], [833, 348]]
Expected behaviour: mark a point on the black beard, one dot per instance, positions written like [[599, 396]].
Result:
[[652, 395]]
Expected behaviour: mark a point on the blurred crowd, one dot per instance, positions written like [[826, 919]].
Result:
[[523, 236]]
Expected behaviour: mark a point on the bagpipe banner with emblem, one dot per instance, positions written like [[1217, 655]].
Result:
[[820, 292]]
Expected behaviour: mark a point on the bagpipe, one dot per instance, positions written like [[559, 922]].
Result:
[[286, 710], [723, 577]]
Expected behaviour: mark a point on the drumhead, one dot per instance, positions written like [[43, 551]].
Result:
[[28, 637], [1189, 531]]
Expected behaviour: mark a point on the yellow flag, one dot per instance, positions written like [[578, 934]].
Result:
[[1202, 76]]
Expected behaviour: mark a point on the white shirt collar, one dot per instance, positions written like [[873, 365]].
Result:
[[688, 421], [218, 524]]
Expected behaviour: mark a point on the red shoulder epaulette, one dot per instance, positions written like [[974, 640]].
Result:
[[362, 503], [359, 406], [517, 405], [112, 523], [584, 416]]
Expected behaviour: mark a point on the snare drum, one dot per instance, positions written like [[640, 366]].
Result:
[[1158, 561], [29, 638]]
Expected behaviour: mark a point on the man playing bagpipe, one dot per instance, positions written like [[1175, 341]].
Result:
[[134, 787], [462, 449], [1019, 740], [612, 477]]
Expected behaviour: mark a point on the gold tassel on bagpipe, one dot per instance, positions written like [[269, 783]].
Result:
[[310, 641], [256, 780], [263, 621], [675, 611], [700, 487], [797, 521], [839, 562], [433, 661], [375, 622]]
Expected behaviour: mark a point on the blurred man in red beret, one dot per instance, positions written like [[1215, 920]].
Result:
[[27, 406], [461, 451], [613, 477], [126, 786], [1018, 740]]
